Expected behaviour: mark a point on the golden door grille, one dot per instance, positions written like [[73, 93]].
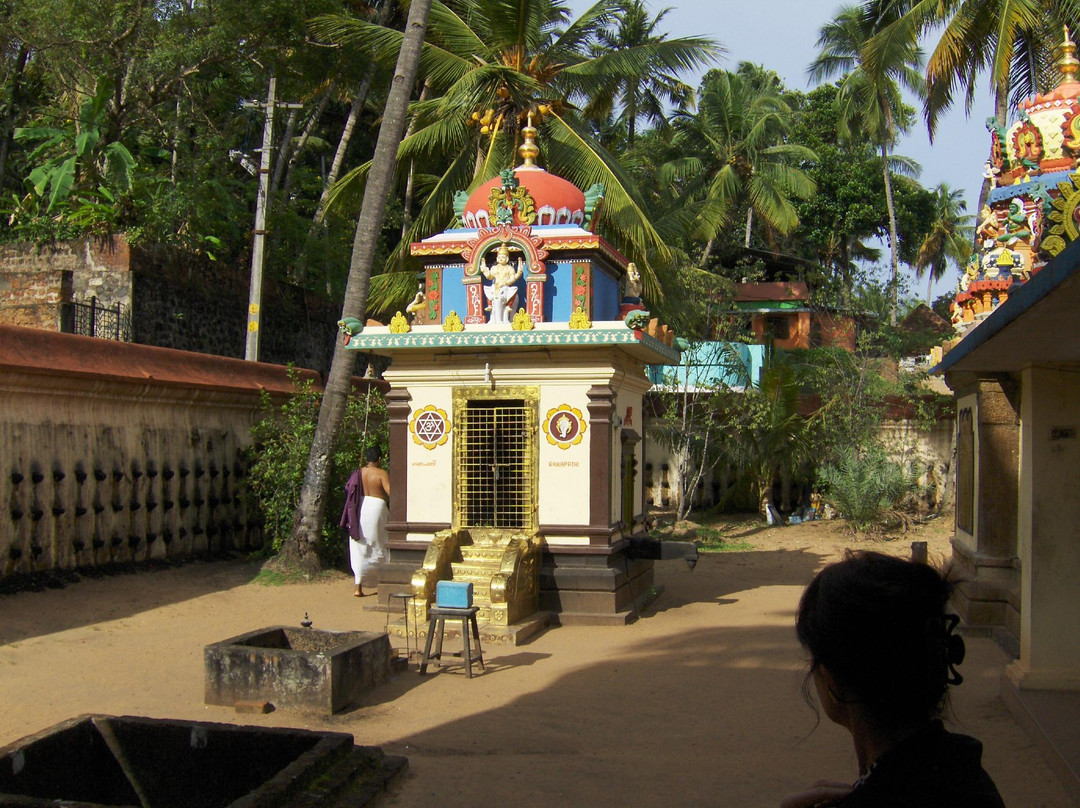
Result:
[[496, 476]]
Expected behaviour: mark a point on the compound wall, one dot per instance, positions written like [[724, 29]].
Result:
[[113, 452]]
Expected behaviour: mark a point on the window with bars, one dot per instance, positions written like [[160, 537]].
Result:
[[496, 464]]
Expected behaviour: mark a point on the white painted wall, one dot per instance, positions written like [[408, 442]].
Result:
[[1048, 530]]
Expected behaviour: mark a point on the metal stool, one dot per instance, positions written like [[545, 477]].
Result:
[[437, 617], [406, 599]]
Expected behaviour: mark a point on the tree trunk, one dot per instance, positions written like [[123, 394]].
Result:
[[13, 107], [708, 249], [339, 156], [406, 213], [309, 127], [283, 150], [894, 246], [749, 225], [849, 284], [175, 143], [300, 551], [350, 124]]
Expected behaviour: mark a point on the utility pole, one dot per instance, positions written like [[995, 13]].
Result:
[[251, 349], [254, 317]]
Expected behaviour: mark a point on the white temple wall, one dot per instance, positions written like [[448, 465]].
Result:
[[431, 492], [564, 477], [1049, 513]]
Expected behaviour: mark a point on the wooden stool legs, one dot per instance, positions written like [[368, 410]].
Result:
[[470, 632]]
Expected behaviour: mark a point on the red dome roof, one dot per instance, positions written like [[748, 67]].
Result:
[[555, 200]]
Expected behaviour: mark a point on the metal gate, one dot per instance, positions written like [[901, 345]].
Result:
[[495, 485]]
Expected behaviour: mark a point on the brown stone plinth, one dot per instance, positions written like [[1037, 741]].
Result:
[[594, 589]]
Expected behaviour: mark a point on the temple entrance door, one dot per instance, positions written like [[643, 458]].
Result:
[[496, 465]]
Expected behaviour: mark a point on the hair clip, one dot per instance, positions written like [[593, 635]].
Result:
[[954, 649]]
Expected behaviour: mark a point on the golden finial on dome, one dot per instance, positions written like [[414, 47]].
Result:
[[529, 150], [1068, 63]]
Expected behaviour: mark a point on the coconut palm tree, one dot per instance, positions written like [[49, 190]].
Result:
[[493, 63], [949, 238], [870, 104], [300, 551], [736, 156], [645, 96], [1011, 41]]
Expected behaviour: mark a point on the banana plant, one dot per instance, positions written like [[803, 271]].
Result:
[[75, 155]]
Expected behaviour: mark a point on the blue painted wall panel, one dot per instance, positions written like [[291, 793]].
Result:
[[558, 296], [453, 291], [605, 302]]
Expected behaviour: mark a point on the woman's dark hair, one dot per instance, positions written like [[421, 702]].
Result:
[[373, 454], [878, 624]]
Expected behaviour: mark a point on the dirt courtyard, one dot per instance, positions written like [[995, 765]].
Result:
[[697, 703]]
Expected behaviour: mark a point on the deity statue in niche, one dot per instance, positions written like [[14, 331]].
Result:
[[989, 226], [633, 284], [971, 272], [417, 306], [501, 292], [1017, 224]]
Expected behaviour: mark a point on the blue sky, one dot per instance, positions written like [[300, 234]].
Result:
[[782, 36]]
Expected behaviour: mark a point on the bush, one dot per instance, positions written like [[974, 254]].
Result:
[[867, 487], [280, 456]]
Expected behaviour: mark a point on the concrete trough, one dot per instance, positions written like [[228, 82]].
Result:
[[97, 760], [303, 668]]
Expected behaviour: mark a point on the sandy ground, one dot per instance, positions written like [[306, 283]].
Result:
[[697, 703]]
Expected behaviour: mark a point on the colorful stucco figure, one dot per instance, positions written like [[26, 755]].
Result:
[[1032, 208], [501, 293], [349, 328]]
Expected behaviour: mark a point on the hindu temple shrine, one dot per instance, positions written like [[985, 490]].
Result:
[[1031, 210], [517, 377]]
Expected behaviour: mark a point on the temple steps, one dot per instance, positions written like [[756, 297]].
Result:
[[472, 554]]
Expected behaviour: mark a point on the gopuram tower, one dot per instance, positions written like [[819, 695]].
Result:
[[1031, 212]]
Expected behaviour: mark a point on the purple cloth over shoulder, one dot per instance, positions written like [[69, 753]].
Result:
[[350, 516]]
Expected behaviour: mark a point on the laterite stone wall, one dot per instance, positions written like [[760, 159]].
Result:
[[175, 301], [200, 305], [36, 279]]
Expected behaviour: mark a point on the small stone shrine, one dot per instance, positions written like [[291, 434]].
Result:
[[1032, 209], [516, 410]]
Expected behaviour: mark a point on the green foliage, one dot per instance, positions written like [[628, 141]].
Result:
[[949, 238], [283, 439], [738, 155], [851, 390], [942, 306], [713, 540], [1010, 44], [127, 121], [490, 65], [76, 154], [767, 433], [866, 486], [721, 416]]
